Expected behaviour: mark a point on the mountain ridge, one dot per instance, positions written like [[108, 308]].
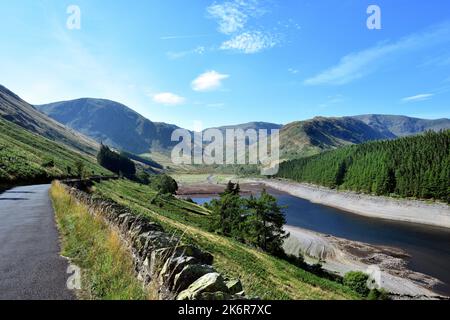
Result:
[[112, 123], [121, 127]]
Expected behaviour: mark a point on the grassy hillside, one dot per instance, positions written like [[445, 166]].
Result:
[[262, 275], [16, 110], [416, 166], [28, 157]]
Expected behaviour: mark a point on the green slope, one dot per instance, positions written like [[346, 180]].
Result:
[[417, 166], [27, 157], [261, 274]]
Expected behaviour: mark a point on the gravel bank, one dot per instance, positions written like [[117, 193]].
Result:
[[436, 214], [341, 256]]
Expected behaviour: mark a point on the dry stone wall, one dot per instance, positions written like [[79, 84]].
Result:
[[170, 269]]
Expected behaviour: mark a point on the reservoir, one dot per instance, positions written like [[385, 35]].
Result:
[[428, 246]]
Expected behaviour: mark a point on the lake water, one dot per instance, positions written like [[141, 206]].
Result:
[[428, 246]]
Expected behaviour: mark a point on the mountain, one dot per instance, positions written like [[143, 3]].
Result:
[[304, 138], [118, 126], [256, 125], [16, 110], [416, 166], [111, 123], [401, 126]]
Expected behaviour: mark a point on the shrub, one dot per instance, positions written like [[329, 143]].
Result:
[[80, 169], [48, 163], [115, 162], [376, 294], [143, 177], [357, 281], [164, 184]]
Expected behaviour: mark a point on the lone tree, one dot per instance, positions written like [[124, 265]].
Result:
[[115, 162], [164, 184], [265, 223], [228, 215], [257, 221], [232, 188]]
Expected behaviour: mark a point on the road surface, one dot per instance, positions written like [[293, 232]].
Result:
[[30, 264]]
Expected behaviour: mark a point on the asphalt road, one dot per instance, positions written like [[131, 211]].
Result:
[[31, 267]]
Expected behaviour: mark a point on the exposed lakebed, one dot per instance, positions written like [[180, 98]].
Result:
[[428, 247]]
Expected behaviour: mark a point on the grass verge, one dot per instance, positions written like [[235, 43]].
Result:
[[107, 268], [262, 275]]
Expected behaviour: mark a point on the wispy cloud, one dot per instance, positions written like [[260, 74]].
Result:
[[357, 65], [208, 81], [64, 79], [250, 42], [232, 16], [418, 97], [441, 60], [233, 19], [168, 98], [186, 36], [293, 71], [200, 50]]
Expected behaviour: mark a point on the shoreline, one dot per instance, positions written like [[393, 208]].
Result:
[[413, 211], [340, 256]]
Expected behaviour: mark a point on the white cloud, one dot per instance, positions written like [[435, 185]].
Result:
[[232, 16], [419, 97], [250, 42], [168, 98], [357, 65], [293, 71], [208, 81]]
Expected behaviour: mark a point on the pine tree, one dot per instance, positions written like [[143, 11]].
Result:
[[265, 223]]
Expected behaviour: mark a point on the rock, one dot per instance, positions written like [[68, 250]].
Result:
[[210, 282], [172, 267], [189, 275], [240, 294], [190, 250], [234, 286]]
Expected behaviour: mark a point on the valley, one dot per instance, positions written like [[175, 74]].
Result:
[[333, 231], [324, 231]]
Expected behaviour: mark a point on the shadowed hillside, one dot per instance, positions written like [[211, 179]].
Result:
[[112, 123]]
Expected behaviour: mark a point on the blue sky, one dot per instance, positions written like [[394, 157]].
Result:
[[227, 62]]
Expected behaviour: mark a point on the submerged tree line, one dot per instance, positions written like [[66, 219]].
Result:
[[416, 166]]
